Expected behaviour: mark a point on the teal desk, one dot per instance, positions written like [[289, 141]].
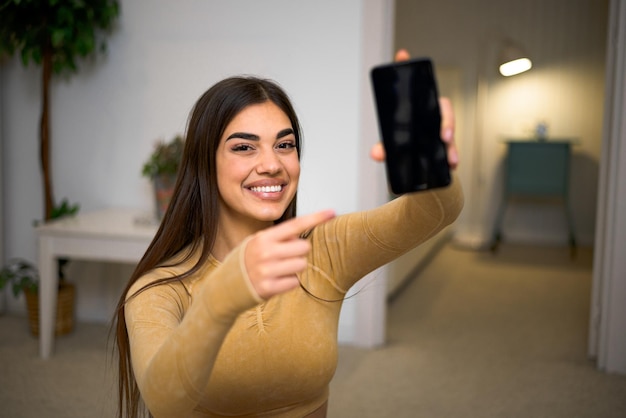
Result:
[[536, 169]]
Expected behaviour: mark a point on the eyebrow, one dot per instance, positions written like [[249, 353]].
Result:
[[254, 137]]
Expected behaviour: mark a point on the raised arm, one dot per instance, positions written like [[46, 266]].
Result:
[[361, 242], [371, 239]]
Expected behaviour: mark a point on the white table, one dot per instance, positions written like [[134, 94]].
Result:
[[118, 235]]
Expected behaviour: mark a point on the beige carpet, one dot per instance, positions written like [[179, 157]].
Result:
[[483, 335], [473, 335]]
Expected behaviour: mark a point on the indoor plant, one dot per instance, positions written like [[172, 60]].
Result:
[[23, 276], [161, 168], [53, 34]]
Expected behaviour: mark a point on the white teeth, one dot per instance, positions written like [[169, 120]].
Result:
[[266, 189]]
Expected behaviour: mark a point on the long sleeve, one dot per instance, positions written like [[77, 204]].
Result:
[[200, 345], [175, 340], [358, 243]]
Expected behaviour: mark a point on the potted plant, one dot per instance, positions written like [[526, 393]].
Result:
[[23, 277], [162, 168], [53, 34]]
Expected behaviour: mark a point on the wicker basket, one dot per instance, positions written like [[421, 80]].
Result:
[[65, 310]]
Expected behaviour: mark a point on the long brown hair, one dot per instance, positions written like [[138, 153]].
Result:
[[191, 217]]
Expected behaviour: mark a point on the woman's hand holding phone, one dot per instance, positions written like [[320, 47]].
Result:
[[377, 151]]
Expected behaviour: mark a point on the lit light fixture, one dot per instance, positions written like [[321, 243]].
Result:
[[513, 60]]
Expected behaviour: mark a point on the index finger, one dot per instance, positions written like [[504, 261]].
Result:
[[297, 226]]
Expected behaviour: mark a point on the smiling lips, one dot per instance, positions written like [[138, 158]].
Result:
[[268, 192], [267, 189]]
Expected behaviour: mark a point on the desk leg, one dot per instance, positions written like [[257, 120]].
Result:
[[570, 226], [48, 290], [497, 231]]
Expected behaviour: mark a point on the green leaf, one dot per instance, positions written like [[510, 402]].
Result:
[[165, 159], [65, 16], [58, 35], [37, 55], [24, 55], [70, 27], [21, 274], [64, 209]]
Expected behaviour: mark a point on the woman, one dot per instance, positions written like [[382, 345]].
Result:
[[234, 308]]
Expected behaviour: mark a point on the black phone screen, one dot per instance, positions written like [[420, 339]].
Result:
[[409, 120]]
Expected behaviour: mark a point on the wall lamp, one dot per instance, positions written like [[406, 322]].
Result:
[[513, 60]]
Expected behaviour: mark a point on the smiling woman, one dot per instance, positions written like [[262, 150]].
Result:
[[257, 172], [234, 308]]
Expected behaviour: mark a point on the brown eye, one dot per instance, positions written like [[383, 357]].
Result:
[[241, 148], [287, 145]]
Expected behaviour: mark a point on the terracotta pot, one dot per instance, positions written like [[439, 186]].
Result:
[[163, 190]]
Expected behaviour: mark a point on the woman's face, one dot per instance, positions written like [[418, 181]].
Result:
[[257, 166]]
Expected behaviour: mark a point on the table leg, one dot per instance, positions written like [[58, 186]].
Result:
[[570, 228], [48, 290], [497, 232]]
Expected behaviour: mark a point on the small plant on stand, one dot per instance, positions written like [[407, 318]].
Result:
[[162, 169]]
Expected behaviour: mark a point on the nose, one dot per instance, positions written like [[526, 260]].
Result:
[[269, 162]]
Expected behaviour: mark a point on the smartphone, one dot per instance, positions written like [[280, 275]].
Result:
[[409, 121]]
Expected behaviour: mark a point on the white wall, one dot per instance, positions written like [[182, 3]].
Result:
[[3, 293], [607, 325], [567, 41], [164, 54]]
